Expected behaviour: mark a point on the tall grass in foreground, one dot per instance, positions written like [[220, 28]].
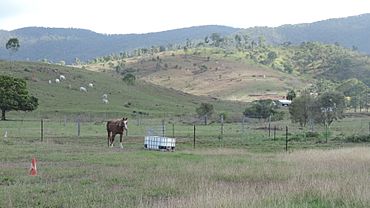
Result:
[[85, 173]]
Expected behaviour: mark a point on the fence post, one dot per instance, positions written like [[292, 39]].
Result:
[[286, 139], [274, 132], [163, 128], [270, 126], [78, 126], [194, 138], [173, 130], [42, 130], [222, 127], [326, 133]]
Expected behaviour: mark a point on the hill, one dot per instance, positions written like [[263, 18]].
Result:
[[207, 71], [67, 44], [350, 32], [65, 97], [241, 70]]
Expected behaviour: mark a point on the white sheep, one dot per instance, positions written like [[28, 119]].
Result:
[[83, 89], [91, 85], [62, 77], [105, 101], [49, 81], [57, 80]]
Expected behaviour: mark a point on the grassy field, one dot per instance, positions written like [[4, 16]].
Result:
[[244, 167], [83, 172]]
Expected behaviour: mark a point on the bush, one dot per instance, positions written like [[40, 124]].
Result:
[[312, 134], [358, 138], [278, 116]]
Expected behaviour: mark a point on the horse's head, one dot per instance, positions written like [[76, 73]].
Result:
[[123, 123]]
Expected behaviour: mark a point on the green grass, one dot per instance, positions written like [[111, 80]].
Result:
[[65, 97], [84, 173]]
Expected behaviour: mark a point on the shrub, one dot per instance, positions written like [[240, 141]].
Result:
[[312, 134], [358, 138]]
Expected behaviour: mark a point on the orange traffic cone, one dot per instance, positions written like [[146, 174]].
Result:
[[33, 169]]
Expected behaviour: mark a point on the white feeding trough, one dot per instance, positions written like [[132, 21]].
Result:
[[159, 143]]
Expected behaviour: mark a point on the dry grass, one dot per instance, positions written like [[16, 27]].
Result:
[[313, 178]]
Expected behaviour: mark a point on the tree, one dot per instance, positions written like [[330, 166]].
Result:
[[302, 109], [291, 95], [216, 39], [205, 110], [14, 96], [356, 90], [12, 45], [260, 109], [324, 109], [129, 79], [332, 106]]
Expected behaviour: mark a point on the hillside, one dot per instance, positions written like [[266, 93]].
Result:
[[67, 44], [65, 97], [207, 72], [240, 70]]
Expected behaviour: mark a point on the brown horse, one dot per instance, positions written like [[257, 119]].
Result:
[[115, 127]]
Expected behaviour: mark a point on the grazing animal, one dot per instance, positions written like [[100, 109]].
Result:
[[62, 77], [49, 81], [91, 85], [105, 101], [83, 89], [57, 80], [115, 127]]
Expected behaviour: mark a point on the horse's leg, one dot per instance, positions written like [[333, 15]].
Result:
[[112, 139], [120, 141], [109, 135]]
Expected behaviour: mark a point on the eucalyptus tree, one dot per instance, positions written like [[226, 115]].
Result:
[[12, 46]]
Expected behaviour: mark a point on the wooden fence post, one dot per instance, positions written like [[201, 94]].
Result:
[[270, 126], [78, 127], [173, 130], [163, 129], [194, 138], [286, 139], [42, 130], [222, 127]]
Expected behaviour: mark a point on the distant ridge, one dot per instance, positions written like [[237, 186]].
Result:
[[67, 44], [56, 44], [350, 32]]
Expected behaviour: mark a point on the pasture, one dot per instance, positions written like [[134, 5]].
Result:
[[241, 169]]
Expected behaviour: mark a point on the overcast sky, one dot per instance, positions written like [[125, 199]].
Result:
[[143, 16]]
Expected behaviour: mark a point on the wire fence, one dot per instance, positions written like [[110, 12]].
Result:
[[243, 133]]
